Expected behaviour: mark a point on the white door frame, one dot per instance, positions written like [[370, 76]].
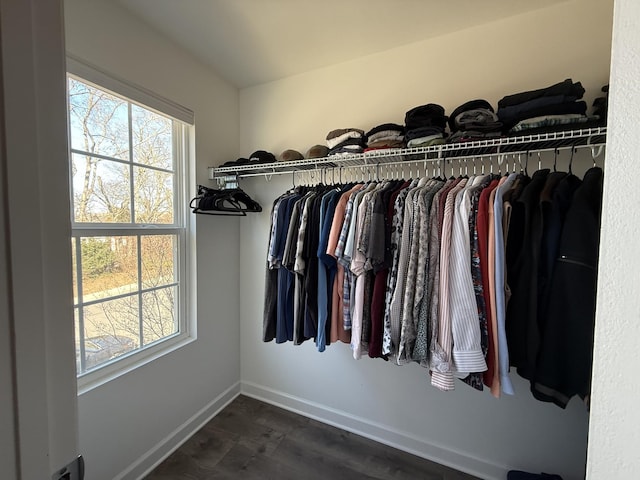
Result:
[[35, 289]]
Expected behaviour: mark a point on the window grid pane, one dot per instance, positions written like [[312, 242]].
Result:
[[112, 329], [109, 267], [124, 176], [159, 314], [100, 190], [98, 121], [158, 255], [153, 196], [151, 139], [127, 295]]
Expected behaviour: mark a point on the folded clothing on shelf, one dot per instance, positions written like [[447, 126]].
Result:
[[345, 141], [385, 144], [471, 136], [566, 87], [386, 135], [336, 137], [424, 125], [424, 136], [474, 120], [427, 141], [529, 124], [558, 99]]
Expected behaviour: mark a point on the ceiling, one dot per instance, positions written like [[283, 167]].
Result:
[[249, 42]]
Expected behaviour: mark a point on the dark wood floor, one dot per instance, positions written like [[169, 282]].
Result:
[[250, 440]]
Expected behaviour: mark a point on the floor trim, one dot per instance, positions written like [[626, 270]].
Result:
[[375, 431], [165, 447]]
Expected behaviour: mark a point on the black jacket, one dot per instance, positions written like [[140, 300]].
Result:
[[565, 358], [523, 247]]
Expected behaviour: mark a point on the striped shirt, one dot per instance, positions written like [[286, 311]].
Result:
[[465, 323], [441, 366]]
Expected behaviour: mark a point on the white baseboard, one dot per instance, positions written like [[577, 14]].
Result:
[[378, 432], [154, 456]]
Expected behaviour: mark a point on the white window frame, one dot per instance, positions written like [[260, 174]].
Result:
[[183, 120]]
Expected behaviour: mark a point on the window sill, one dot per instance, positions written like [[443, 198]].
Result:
[[124, 365]]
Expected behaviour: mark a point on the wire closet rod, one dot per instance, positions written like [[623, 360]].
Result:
[[447, 150], [499, 157]]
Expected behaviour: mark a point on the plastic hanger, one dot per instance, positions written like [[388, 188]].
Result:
[[229, 202]]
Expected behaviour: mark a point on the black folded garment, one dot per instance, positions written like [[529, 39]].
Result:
[[465, 107], [422, 132], [392, 127], [429, 115], [556, 109], [508, 114], [567, 87], [478, 119], [472, 135]]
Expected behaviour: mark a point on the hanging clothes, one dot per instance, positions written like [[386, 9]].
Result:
[[466, 276]]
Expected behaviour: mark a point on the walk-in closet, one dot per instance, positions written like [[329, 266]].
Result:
[[292, 133]]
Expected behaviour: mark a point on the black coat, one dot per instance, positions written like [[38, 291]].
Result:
[[563, 368], [523, 247]]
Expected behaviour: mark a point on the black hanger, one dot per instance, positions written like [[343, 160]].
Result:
[[233, 202]]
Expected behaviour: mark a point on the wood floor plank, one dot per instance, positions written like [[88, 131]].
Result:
[[209, 446], [179, 466], [261, 438], [253, 440], [279, 419], [318, 465], [363, 455], [243, 463]]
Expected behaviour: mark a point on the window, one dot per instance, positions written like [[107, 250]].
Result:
[[129, 228]]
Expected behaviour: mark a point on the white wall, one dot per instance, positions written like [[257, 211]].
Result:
[[464, 428], [614, 435], [128, 423]]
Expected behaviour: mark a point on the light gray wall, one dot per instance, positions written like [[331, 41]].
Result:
[[126, 424], [397, 405]]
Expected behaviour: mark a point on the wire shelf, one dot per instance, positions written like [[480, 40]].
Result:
[[448, 151]]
